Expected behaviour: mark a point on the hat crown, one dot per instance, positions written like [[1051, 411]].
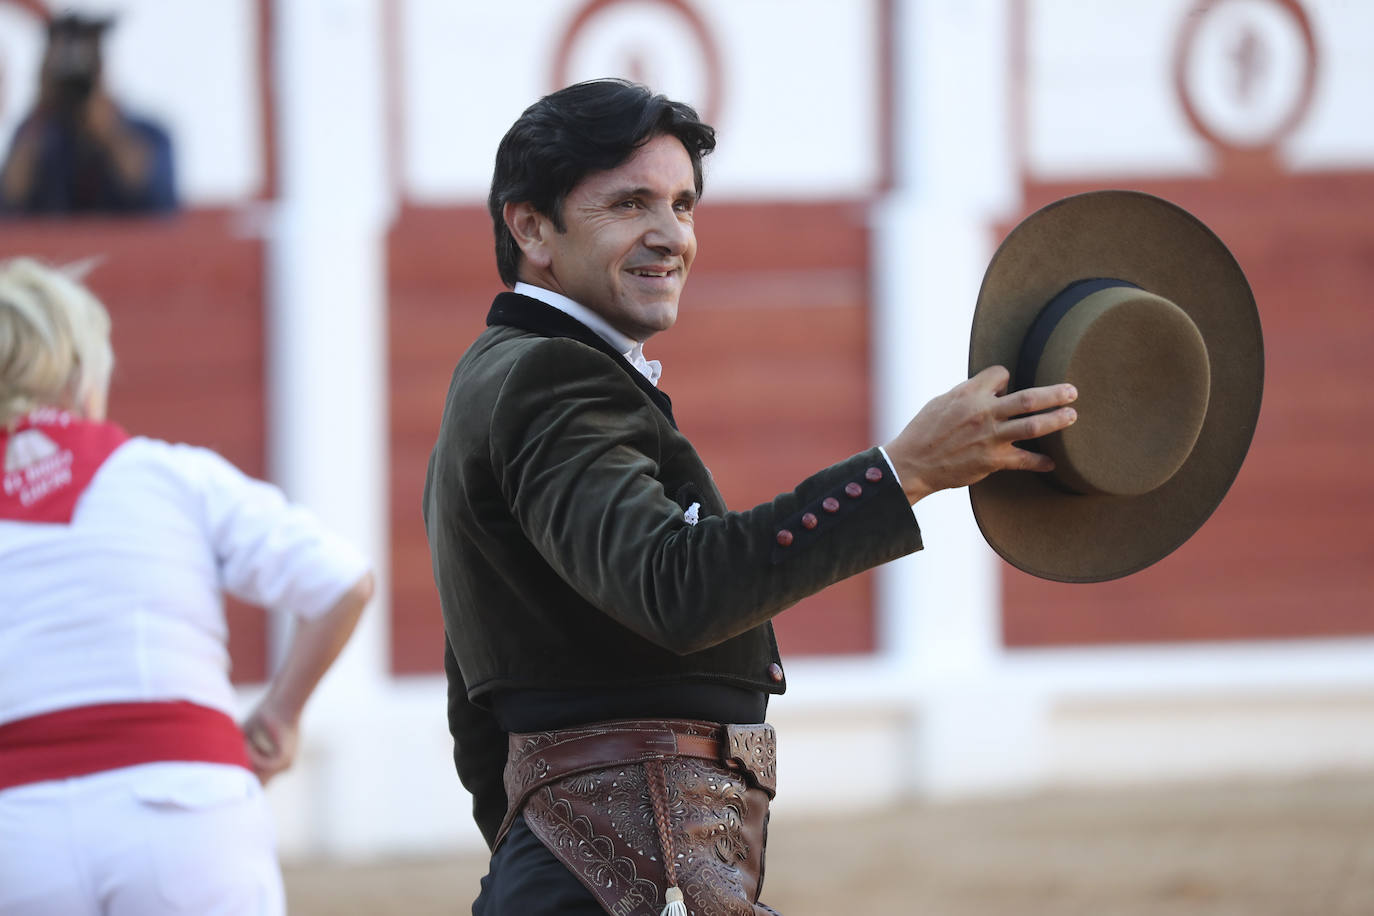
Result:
[[1141, 368]]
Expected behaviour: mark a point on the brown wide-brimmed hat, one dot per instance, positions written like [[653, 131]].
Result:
[[1139, 305]]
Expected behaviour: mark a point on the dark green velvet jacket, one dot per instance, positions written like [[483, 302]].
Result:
[[556, 505]]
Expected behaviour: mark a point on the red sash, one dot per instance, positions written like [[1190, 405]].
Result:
[[49, 460], [93, 739]]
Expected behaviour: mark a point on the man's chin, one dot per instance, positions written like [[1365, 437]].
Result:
[[665, 320], [653, 318]]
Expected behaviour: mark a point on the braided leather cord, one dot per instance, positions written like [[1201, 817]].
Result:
[[658, 793]]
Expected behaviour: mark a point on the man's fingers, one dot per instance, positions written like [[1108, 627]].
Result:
[[1038, 424], [993, 379], [1025, 460], [1033, 400]]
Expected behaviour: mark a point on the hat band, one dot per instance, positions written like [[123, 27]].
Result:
[[1033, 344]]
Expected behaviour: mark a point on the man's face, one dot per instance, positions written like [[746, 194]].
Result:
[[71, 64], [628, 240]]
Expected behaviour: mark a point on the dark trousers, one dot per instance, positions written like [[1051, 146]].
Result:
[[524, 879]]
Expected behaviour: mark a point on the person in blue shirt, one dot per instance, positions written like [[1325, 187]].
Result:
[[78, 151]]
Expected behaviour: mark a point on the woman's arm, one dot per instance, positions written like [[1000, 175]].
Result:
[[271, 730]]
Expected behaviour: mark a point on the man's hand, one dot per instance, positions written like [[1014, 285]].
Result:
[[101, 118], [20, 168], [967, 433]]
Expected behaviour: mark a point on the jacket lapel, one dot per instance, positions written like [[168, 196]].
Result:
[[516, 311]]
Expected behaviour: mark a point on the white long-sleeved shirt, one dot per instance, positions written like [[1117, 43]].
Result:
[[124, 602]]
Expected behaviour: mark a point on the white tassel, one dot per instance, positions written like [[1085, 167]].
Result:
[[675, 905]]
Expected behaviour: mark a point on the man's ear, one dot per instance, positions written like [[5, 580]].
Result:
[[530, 229]]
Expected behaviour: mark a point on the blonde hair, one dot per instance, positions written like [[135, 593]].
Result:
[[54, 340]]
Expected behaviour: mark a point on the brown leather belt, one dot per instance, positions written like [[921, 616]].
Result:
[[644, 809]]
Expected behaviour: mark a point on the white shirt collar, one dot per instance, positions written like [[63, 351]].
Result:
[[628, 347]]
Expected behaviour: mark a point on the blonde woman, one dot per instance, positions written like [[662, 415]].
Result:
[[126, 786]]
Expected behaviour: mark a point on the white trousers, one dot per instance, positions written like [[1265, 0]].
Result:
[[162, 838]]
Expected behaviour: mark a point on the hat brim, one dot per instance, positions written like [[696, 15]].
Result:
[[1127, 235]]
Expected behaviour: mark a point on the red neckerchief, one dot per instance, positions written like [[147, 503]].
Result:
[[49, 460]]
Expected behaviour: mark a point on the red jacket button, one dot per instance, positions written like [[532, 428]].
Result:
[[873, 475], [784, 538], [830, 504], [775, 672], [809, 521], [853, 490]]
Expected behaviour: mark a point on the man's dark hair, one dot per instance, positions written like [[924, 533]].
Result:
[[565, 136]]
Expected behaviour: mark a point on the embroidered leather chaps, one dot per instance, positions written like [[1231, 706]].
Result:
[[632, 807]]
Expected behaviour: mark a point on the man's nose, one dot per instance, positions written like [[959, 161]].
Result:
[[669, 233]]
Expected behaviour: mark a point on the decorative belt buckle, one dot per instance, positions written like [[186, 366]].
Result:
[[754, 748]]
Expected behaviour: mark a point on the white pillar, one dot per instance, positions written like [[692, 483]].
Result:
[[954, 177], [327, 337]]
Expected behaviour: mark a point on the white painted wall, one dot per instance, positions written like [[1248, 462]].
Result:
[[327, 380], [1103, 100], [799, 86]]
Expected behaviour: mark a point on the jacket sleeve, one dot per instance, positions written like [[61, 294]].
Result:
[[578, 453]]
